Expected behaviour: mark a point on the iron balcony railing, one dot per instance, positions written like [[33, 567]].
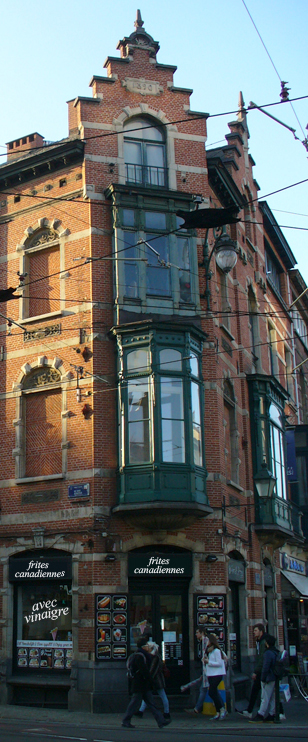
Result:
[[146, 175]]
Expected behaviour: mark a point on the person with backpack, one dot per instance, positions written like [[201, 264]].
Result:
[[158, 680], [269, 675], [138, 667], [215, 671]]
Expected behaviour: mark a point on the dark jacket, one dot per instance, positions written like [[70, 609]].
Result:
[[269, 659], [261, 649], [142, 678], [156, 672]]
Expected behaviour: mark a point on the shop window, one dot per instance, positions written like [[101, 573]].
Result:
[[44, 626], [155, 260], [161, 403], [144, 153]]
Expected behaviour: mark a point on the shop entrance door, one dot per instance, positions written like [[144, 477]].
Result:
[[164, 616]]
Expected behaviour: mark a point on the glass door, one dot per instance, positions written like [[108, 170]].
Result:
[[163, 616]]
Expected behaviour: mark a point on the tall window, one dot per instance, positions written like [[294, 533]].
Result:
[[160, 405], [156, 263], [144, 153], [272, 346], [45, 292], [278, 465], [273, 272], [231, 433], [253, 322]]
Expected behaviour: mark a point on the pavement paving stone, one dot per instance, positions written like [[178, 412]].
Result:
[[296, 712]]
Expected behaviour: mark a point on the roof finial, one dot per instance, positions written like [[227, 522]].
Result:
[[241, 106], [138, 22]]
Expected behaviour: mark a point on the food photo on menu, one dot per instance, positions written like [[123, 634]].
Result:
[[104, 602]]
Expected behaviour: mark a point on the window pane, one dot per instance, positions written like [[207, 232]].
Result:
[[139, 128], [197, 445], [138, 422], [132, 152], [140, 617], [138, 401], [194, 364], [131, 274], [137, 360], [173, 444], [161, 245], [155, 220], [47, 621], [172, 412], [170, 360], [155, 155], [128, 217], [195, 403], [184, 265]]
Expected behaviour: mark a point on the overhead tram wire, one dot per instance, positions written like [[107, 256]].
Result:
[[275, 68], [194, 117]]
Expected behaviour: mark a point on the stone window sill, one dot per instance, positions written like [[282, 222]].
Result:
[[227, 331], [47, 478], [44, 317], [235, 485]]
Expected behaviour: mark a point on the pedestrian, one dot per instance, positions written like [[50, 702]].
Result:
[[158, 680], [259, 635], [215, 671], [202, 637], [141, 686], [267, 707]]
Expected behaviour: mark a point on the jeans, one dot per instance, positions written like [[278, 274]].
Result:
[[201, 698], [162, 694], [214, 681], [267, 699], [134, 706], [255, 690]]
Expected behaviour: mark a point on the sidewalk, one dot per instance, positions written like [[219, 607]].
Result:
[[296, 711]]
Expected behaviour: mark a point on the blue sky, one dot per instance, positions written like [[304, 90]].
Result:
[[51, 49]]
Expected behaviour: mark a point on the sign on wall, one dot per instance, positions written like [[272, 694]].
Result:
[[159, 565], [210, 614], [35, 569], [111, 627]]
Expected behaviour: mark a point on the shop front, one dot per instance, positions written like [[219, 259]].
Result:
[[42, 626], [158, 606], [294, 591]]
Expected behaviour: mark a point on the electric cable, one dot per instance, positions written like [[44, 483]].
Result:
[[275, 68], [160, 124]]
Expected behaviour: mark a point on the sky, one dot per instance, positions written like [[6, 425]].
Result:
[[50, 49]]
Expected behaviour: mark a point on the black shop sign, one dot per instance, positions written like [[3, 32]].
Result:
[[159, 565], [40, 569]]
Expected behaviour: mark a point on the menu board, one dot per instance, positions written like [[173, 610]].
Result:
[[111, 627], [210, 614], [44, 655]]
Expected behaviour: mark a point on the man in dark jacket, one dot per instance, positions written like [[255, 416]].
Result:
[[141, 687], [259, 635], [267, 707]]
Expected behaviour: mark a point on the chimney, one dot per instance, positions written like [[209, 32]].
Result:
[[31, 141]]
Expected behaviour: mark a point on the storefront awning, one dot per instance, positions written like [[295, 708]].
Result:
[[300, 582]]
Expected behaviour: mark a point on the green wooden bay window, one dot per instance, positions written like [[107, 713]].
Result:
[[267, 400], [161, 447]]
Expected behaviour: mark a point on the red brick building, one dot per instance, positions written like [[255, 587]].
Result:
[[145, 395]]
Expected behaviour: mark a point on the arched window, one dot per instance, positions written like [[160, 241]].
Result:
[[231, 434], [144, 153]]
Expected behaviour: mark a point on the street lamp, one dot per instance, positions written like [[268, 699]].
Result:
[[264, 481], [226, 257]]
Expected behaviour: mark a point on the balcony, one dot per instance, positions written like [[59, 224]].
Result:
[[277, 521], [162, 497], [146, 175]]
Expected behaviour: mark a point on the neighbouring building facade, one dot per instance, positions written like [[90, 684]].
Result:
[[147, 397]]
